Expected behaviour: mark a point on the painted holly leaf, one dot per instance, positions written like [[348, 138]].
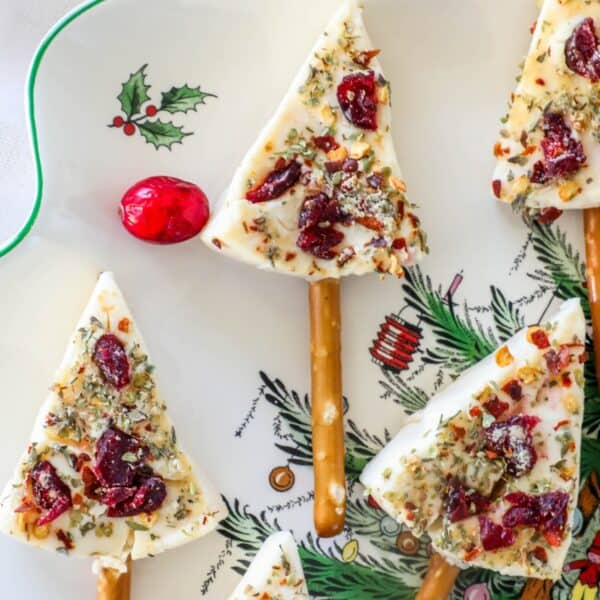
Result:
[[182, 99], [160, 133], [134, 93]]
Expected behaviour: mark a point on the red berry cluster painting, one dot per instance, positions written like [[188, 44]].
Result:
[[141, 115]]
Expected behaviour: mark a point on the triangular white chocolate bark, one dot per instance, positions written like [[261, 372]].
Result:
[[104, 475], [547, 153], [275, 572], [489, 469], [320, 193]]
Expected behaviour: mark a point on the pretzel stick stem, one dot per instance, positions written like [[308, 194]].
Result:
[[113, 585], [591, 225], [327, 409], [439, 579]]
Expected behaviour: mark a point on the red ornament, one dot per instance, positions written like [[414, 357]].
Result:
[[164, 210]]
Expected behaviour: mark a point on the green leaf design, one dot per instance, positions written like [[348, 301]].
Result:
[[361, 447], [411, 398], [590, 457], [459, 341], [134, 93], [507, 317], [182, 99], [158, 133]]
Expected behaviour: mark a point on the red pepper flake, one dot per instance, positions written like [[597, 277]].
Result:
[[566, 380], [290, 256], [399, 244], [499, 150], [77, 499], [491, 454], [473, 553], [540, 81], [365, 57], [475, 411], [410, 506], [217, 242], [459, 432], [529, 150], [540, 553], [553, 538], [81, 460], [65, 538], [123, 325], [532, 27], [540, 339], [497, 187], [370, 223], [410, 516], [562, 424]]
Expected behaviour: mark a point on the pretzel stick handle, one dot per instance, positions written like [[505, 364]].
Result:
[[113, 585], [439, 579], [591, 225], [327, 409]]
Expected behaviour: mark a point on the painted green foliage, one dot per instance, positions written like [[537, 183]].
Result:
[[140, 115], [456, 340]]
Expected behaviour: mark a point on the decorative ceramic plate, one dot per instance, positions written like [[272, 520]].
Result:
[[231, 342]]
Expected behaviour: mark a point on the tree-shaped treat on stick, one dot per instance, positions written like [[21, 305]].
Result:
[[490, 468], [320, 195], [275, 572], [104, 475]]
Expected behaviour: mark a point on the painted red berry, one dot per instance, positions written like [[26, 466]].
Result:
[[164, 210], [118, 121], [129, 129], [151, 110]]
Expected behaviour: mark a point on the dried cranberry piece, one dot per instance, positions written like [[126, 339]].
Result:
[[333, 166], [548, 215], [540, 339], [319, 241], [118, 457], [497, 188], [148, 498], [277, 182], [563, 154], [494, 536], [111, 358], [325, 143], [164, 210], [512, 440], [461, 503], [357, 96], [375, 181], [557, 361], [350, 165], [546, 512], [496, 407], [318, 208], [581, 51], [513, 389], [50, 492]]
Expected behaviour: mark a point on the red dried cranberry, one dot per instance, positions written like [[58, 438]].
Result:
[[66, 539], [548, 215], [148, 498], [118, 456], [350, 165], [319, 241], [111, 358], [563, 154], [494, 536], [582, 54], [318, 208], [357, 95], [546, 512], [512, 440], [277, 182], [557, 361], [164, 210], [325, 143], [333, 166], [497, 187], [375, 181], [50, 492], [461, 503], [513, 389], [496, 407]]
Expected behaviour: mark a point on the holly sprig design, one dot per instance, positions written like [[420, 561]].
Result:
[[141, 115]]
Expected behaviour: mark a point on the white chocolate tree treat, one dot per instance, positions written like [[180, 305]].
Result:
[[103, 475], [320, 193], [548, 155], [490, 468], [275, 573]]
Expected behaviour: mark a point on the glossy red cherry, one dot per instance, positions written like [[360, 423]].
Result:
[[151, 110], [164, 210], [129, 129], [118, 121]]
